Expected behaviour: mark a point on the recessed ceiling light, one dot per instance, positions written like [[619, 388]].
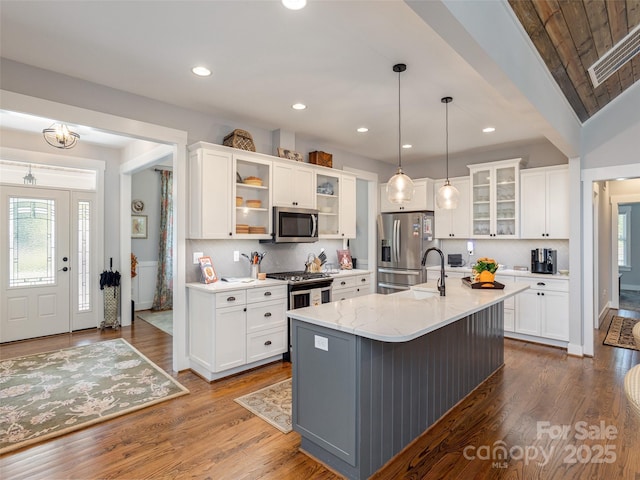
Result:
[[294, 4], [201, 71], [407, 145], [489, 129], [362, 130], [298, 106]]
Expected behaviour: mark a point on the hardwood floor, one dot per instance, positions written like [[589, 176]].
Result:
[[206, 435]]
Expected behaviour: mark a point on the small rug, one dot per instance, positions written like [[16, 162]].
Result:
[[629, 300], [620, 333], [50, 394], [272, 404], [162, 319]]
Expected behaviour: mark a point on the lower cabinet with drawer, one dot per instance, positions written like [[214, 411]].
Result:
[[234, 330], [542, 311], [349, 286]]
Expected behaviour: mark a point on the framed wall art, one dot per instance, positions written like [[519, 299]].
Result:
[[138, 226]]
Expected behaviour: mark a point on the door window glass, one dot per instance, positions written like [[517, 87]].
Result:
[[31, 241], [84, 283]]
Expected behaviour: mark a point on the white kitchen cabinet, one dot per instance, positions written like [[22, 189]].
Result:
[[509, 305], [234, 330], [495, 199], [220, 201], [543, 309], [209, 183], [454, 223], [294, 185], [336, 203], [422, 198], [252, 201], [349, 286], [544, 202]]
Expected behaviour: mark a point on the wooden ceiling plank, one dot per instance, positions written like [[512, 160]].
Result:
[[556, 26], [577, 23], [531, 22], [619, 30], [599, 22], [633, 20]]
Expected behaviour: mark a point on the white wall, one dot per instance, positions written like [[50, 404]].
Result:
[[631, 279], [145, 186], [603, 255]]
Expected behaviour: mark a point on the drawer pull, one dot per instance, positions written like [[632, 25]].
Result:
[[268, 314], [363, 279], [267, 294], [231, 299], [542, 284], [267, 343], [343, 283]]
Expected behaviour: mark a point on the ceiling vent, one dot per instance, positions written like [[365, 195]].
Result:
[[621, 53]]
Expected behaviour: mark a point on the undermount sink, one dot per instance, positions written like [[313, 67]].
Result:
[[418, 294]]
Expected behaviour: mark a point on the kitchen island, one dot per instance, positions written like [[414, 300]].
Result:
[[372, 373]]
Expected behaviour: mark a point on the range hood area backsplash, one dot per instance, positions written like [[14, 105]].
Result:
[[508, 252], [280, 257]]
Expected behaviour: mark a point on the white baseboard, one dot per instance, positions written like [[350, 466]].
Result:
[[575, 350]]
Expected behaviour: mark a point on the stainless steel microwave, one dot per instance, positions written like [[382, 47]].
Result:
[[294, 225]]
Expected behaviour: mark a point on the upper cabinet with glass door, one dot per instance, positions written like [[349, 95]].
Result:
[[495, 197]]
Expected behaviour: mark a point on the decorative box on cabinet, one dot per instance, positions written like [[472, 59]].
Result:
[[454, 223], [336, 203], [293, 184], [544, 200], [495, 199], [422, 198]]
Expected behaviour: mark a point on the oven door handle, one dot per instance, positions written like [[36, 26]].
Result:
[[398, 272], [314, 229]]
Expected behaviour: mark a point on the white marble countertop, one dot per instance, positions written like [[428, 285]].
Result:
[[503, 271], [222, 286], [403, 316]]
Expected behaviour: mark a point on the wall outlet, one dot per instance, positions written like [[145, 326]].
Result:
[[196, 257], [470, 248], [321, 343], [236, 256]]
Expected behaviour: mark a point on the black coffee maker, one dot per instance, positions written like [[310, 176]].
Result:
[[544, 260]]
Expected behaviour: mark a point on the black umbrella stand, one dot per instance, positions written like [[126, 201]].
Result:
[[110, 283]]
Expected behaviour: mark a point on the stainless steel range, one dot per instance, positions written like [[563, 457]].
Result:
[[305, 289]]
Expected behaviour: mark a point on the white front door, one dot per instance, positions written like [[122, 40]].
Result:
[[35, 262]]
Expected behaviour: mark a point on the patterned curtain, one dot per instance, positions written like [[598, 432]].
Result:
[[163, 297]]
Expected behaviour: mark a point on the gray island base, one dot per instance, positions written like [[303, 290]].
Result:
[[358, 401]]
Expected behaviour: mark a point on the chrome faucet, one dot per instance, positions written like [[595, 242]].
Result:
[[441, 287]]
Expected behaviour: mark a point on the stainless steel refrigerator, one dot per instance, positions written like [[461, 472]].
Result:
[[402, 240]]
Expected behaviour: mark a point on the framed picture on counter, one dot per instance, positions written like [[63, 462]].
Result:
[[344, 260], [139, 226]]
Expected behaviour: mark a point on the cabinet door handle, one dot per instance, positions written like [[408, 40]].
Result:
[[542, 284], [267, 343], [363, 279], [244, 309], [231, 299], [267, 294], [542, 293], [343, 283], [268, 314]]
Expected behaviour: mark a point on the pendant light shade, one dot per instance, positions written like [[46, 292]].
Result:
[[400, 187], [58, 135], [448, 195]]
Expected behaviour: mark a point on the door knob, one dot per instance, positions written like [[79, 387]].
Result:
[[64, 259], [64, 269]]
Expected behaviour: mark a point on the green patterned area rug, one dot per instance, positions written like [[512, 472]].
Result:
[[620, 333], [162, 319], [272, 404], [50, 394]]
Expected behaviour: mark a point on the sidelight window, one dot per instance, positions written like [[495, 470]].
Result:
[[84, 250]]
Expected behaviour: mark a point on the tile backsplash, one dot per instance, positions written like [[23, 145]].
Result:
[[280, 257], [507, 252]]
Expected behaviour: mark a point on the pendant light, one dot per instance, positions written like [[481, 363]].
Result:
[[29, 179], [448, 195], [58, 135], [400, 186]]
